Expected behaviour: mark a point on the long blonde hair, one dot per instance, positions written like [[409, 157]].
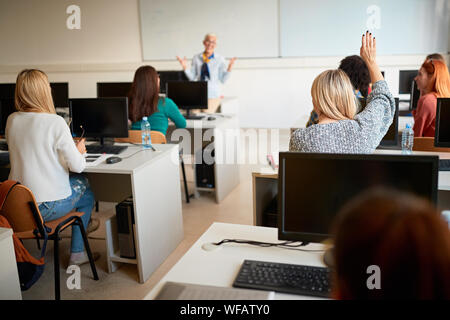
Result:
[[333, 96], [33, 92]]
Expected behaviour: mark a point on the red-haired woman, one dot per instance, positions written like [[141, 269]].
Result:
[[433, 81]]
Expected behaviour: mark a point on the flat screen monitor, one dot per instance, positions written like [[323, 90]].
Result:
[[60, 94], [99, 117], [188, 95], [414, 97], [313, 187], [6, 108], [113, 89], [166, 76], [7, 90], [442, 132], [406, 78], [391, 137]]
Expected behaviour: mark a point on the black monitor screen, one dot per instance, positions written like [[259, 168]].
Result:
[[415, 95], [312, 187], [442, 132], [113, 89], [166, 76], [60, 94], [188, 94], [101, 117], [405, 80], [6, 108], [391, 137], [7, 90]]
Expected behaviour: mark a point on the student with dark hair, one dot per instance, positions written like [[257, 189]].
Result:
[[402, 236], [356, 69], [144, 101]]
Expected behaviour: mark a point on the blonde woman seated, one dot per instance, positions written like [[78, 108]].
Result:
[[340, 129]]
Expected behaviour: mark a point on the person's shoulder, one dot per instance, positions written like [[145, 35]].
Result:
[[429, 98], [167, 102]]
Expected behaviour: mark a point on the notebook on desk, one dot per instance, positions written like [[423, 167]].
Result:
[[188, 291]]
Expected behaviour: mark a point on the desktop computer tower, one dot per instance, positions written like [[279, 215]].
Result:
[[204, 172], [125, 230]]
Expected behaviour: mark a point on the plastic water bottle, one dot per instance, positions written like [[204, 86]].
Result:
[[145, 128], [407, 139]]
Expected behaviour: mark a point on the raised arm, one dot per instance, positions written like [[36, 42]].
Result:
[[379, 112]]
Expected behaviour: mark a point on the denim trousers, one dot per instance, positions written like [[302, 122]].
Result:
[[81, 199]]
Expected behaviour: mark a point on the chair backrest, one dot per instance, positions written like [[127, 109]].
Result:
[[135, 136], [427, 144], [21, 211]]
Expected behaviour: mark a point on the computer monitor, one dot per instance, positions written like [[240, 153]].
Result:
[[442, 132], [406, 77], [7, 90], [113, 89], [188, 95], [313, 187], [99, 117], [166, 76], [391, 136], [414, 97], [6, 108], [60, 94]]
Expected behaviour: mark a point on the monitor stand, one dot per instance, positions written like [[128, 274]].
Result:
[[191, 116]]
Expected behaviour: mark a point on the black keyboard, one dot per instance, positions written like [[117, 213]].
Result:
[[444, 165], [3, 146], [108, 149], [283, 277], [190, 117]]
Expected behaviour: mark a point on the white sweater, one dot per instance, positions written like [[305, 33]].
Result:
[[42, 152]]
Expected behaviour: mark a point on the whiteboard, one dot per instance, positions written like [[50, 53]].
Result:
[[334, 28], [244, 29]]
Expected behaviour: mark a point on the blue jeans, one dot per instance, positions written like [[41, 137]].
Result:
[[81, 199]]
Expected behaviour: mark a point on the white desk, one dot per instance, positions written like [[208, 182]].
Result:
[[153, 179], [220, 267], [9, 276], [224, 132]]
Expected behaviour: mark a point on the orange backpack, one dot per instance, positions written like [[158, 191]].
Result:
[[30, 269]]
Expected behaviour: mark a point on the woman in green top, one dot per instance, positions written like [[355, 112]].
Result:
[[144, 101]]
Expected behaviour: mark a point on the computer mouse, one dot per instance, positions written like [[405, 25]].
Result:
[[211, 118], [209, 246], [112, 160]]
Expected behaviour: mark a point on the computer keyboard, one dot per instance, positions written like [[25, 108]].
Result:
[[191, 117], [444, 165], [286, 278], [3, 146], [109, 149]]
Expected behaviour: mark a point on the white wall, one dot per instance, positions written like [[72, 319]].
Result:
[[272, 92]]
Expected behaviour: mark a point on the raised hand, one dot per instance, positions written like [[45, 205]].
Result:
[[368, 51], [230, 66], [183, 62]]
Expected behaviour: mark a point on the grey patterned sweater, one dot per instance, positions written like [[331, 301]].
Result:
[[360, 135]]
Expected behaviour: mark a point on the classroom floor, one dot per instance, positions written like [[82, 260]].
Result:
[[198, 215]]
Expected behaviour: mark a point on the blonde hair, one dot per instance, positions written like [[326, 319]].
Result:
[[33, 92], [210, 35], [333, 96]]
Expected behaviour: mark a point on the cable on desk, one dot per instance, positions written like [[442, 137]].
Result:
[[291, 245]]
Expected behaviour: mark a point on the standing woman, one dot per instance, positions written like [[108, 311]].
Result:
[[433, 81], [144, 101], [42, 152]]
